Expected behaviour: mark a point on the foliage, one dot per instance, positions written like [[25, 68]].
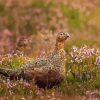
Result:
[[19, 18], [12, 61], [82, 73], [76, 18]]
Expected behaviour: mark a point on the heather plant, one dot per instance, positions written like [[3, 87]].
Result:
[[83, 61], [82, 68], [41, 19], [12, 61]]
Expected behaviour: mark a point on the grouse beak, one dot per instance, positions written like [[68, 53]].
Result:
[[67, 35]]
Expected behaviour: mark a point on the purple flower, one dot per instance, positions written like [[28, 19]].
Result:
[[98, 60], [92, 50], [75, 48], [97, 51]]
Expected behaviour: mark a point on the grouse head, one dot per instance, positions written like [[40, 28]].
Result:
[[23, 42], [62, 36]]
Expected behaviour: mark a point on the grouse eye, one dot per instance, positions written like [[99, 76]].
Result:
[[61, 34]]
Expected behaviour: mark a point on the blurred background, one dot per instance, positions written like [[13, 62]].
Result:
[[41, 20]]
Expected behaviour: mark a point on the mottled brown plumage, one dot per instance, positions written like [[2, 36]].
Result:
[[21, 45], [47, 71]]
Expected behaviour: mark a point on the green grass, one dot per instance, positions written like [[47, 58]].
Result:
[[13, 62], [40, 4], [80, 77], [81, 41], [76, 18], [2, 10]]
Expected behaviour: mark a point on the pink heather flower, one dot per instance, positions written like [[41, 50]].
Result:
[[98, 51], [92, 50], [71, 53], [98, 60], [75, 48]]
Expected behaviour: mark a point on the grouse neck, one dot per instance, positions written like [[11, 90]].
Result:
[[59, 45]]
